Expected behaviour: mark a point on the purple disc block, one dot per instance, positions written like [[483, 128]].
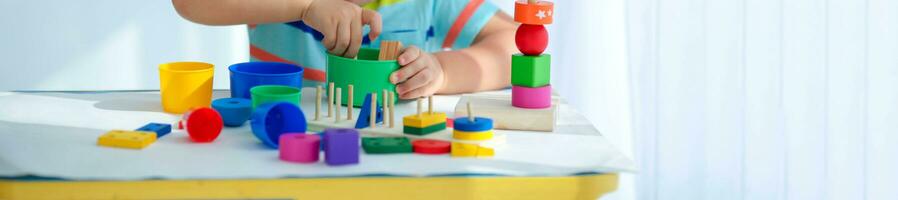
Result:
[[341, 146]]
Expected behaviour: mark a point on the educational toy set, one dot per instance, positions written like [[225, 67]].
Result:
[[530, 70], [268, 94]]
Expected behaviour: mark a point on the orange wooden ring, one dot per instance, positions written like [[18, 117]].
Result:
[[539, 13]]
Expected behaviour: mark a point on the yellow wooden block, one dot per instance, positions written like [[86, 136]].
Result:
[[463, 150], [127, 139], [464, 135], [426, 119], [485, 151]]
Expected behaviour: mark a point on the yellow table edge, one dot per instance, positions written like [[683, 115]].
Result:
[[590, 186]]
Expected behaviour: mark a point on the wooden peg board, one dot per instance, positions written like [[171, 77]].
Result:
[[507, 117]]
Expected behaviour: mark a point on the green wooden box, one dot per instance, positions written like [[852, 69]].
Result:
[[366, 74], [530, 71]]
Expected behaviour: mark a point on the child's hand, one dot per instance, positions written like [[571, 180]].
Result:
[[421, 74], [341, 24]]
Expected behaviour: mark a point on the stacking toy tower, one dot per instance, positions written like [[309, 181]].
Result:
[[530, 69]]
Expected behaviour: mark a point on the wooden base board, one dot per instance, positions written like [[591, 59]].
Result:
[[507, 117], [384, 131]]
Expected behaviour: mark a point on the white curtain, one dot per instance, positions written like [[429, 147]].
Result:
[[764, 99]]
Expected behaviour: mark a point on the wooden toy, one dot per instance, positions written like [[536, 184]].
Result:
[[338, 105], [424, 123], [531, 40], [536, 13], [450, 122], [366, 73], [330, 99], [234, 111], [507, 117], [428, 146], [465, 135], [341, 146], [127, 139], [363, 120], [392, 109], [318, 103], [299, 147], [372, 119], [389, 50], [471, 150], [386, 145], [530, 71], [273, 119], [185, 85], [203, 124], [533, 98], [349, 103], [158, 128]]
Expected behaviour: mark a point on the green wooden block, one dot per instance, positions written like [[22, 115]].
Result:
[[366, 74], [530, 71], [385, 145], [425, 130]]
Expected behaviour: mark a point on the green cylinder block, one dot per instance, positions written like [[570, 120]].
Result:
[[530, 71], [366, 74]]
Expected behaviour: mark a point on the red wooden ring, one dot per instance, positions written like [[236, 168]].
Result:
[[426, 146]]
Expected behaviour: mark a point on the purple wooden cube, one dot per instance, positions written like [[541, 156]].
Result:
[[341, 146]]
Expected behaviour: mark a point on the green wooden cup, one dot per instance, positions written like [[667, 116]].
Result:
[[275, 93], [366, 74]]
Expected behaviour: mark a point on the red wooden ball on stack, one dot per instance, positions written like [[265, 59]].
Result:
[[531, 39]]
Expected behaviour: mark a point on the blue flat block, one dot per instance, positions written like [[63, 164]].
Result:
[[160, 129], [365, 114], [479, 124]]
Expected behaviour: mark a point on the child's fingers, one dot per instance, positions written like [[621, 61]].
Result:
[[330, 37], [407, 71], [343, 37], [420, 79], [408, 55], [374, 21], [356, 41]]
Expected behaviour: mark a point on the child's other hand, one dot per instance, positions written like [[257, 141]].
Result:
[[341, 24], [421, 74]]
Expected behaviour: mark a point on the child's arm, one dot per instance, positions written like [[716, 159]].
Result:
[[486, 65], [339, 21]]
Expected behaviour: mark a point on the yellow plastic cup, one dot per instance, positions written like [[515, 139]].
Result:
[[185, 85]]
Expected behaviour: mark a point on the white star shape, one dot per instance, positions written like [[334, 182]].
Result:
[[541, 14]]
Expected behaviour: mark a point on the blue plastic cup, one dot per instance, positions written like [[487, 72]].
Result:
[[245, 76]]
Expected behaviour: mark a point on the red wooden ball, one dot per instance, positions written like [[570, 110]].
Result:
[[531, 39]]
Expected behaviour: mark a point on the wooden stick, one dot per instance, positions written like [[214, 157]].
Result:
[[430, 104], [338, 104], [373, 120], [349, 103], [330, 99], [383, 102], [470, 114], [318, 102], [532, 1], [419, 108], [392, 105]]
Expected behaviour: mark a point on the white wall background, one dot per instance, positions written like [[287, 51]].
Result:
[[105, 44]]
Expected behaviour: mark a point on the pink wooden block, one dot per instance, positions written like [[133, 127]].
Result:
[[527, 97], [299, 147]]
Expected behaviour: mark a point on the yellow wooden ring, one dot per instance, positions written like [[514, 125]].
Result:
[[539, 13], [464, 135]]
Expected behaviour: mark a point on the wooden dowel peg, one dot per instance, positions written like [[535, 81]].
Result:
[[349, 103], [419, 108], [383, 102], [372, 120], [338, 104], [330, 99], [532, 1], [318, 102], [429, 104], [470, 114], [392, 106]]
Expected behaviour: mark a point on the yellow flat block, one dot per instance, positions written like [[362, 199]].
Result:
[[127, 139], [471, 150], [464, 135], [425, 120]]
